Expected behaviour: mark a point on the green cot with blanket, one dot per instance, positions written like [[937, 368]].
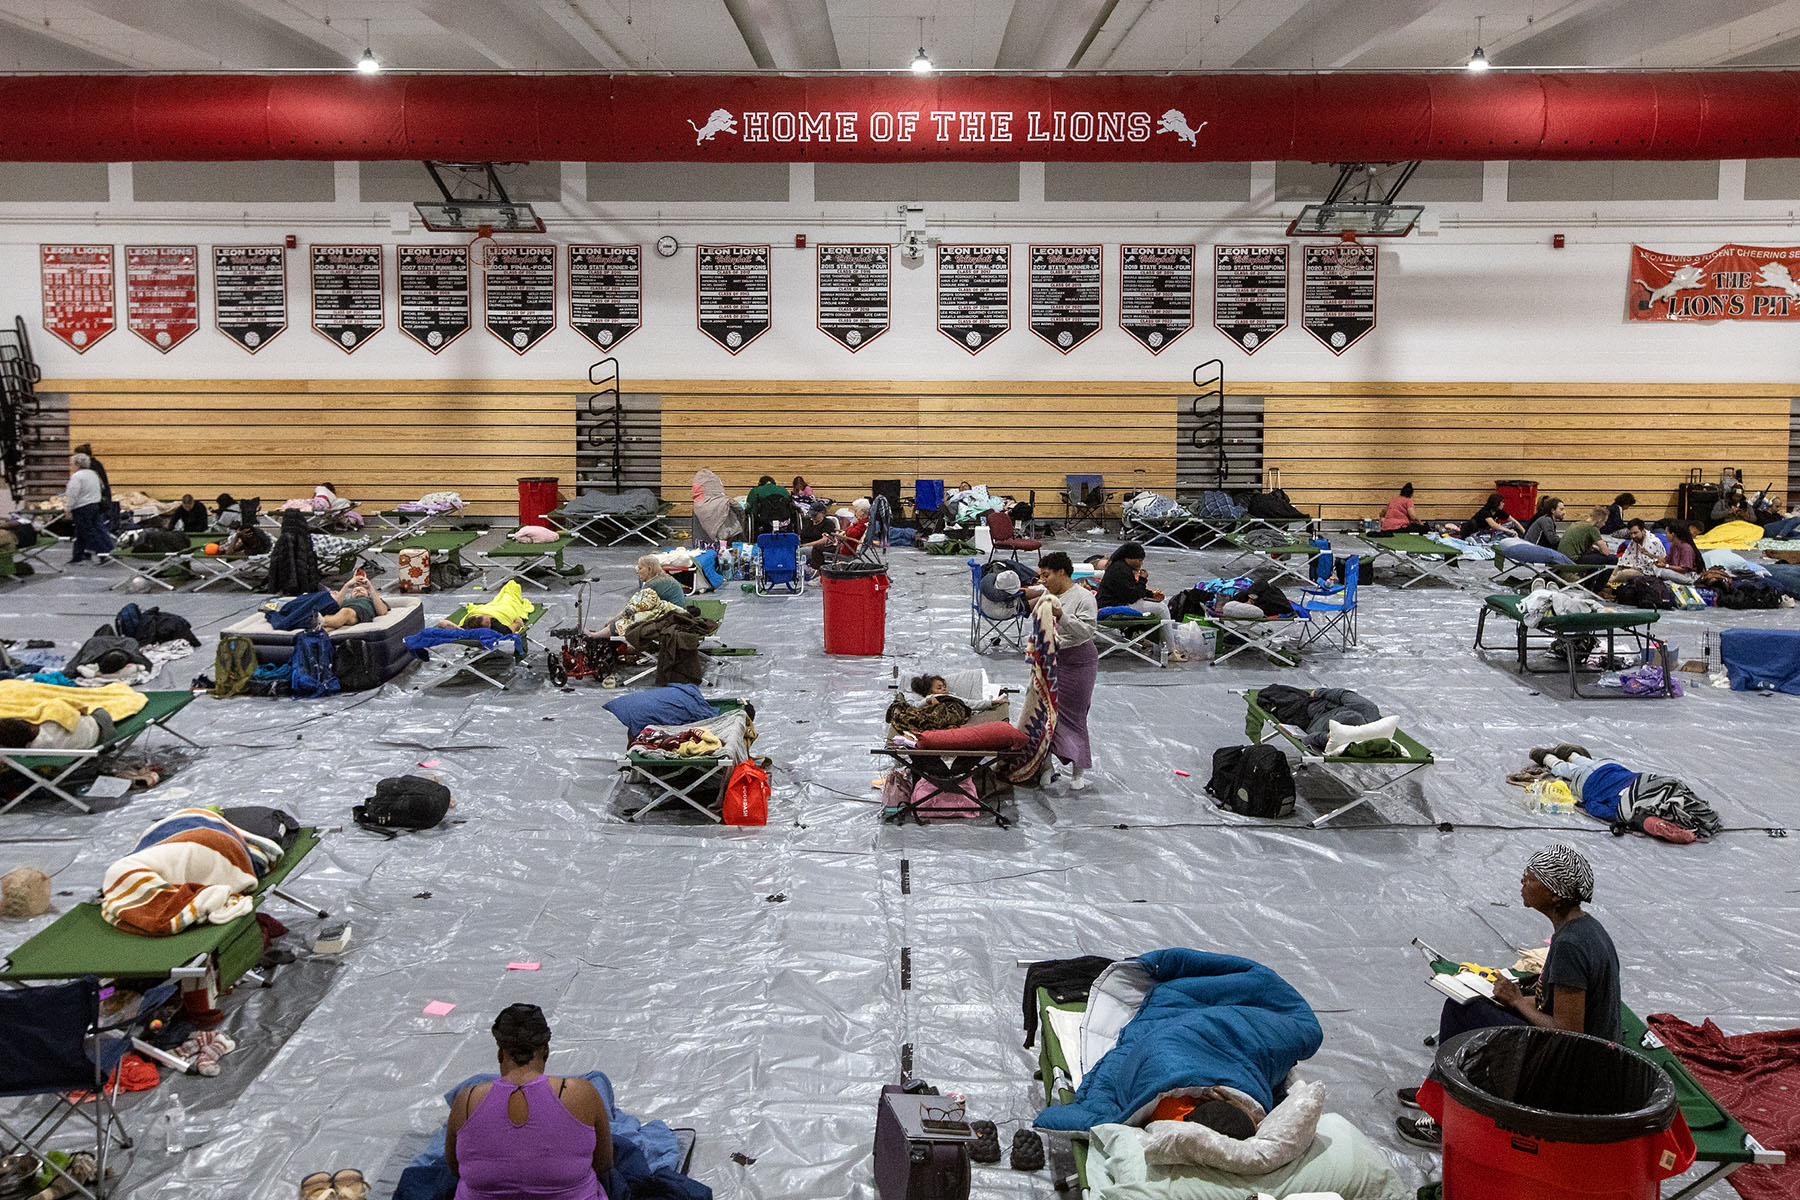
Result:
[[531, 562], [695, 780], [444, 543], [1402, 753], [46, 769], [467, 656], [1572, 630]]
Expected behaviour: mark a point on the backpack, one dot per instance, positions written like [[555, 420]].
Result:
[[1644, 591], [1273, 506], [353, 661], [128, 621], [1189, 603], [233, 666], [153, 625], [747, 795], [403, 802], [1749, 593], [312, 674], [278, 825], [1254, 781]]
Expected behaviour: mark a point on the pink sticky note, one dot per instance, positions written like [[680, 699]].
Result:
[[437, 1008], [430, 763], [521, 966], [1184, 774]]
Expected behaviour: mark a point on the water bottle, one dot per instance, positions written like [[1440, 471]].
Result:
[[174, 1123]]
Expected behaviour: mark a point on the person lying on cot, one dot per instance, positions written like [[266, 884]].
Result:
[[93, 729], [358, 603], [1577, 990], [506, 611]]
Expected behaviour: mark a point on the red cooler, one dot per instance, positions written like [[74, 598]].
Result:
[[537, 496], [855, 610], [1543, 1114], [1520, 498]]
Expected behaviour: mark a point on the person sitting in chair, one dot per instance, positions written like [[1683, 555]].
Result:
[[190, 516], [1125, 584], [651, 576]]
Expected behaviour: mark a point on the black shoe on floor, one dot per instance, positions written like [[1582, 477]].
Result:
[[986, 1146], [1568, 750], [1408, 1097], [1027, 1151], [1420, 1131]]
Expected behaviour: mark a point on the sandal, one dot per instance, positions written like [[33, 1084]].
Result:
[[349, 1184], [317, 1186]]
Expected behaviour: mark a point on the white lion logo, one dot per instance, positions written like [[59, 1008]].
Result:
[[1683, 279], [1175, 121], [1775, 275], [721, 121]]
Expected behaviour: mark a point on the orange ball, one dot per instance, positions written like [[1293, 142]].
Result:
[[212, 547]]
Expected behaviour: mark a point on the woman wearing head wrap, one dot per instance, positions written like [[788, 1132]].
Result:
[[716, 519], [1578, 989]]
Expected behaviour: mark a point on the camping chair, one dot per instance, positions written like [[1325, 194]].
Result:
[[1084, 499], [992, 623], [684, 779], [1337, 605], [45, 1039], [1141, 637], [872, 550], [466, 656], [966, 777], [1571, 630], [527, 561], [1409, 755], [888, 489], [928, 505], [778, 564], [1000, 528], [1419, 556], [37, 765]]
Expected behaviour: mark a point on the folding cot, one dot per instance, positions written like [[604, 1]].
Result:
[[1409, 755], [673, 777], [995, 622], [1634, 623], [1265, 635], [158, 708], [526, 561], [710, 609], [1213, 530], [1164, 530], [37, 554], [465, 656], [616, 527], [1522, 576], [1056, 1069], [397, 523], [778, 564], [1139, 637], [963, 776], [158, 567], [319, 520], [1414, 553], [1280, 557]]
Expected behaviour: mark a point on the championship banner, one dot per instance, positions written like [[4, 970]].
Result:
[[1250, 294], [1337, 293], [1732, 283], [974, 294], [518, 291], [606, 292], [855, 294], [1156, 293], [734, 297], [162, 293], [250, 294], [1064, 294], [347, 307], [434, 294], [78, 293]]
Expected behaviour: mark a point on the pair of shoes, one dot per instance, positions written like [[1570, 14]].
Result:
[[1408, 1098], [1027, 1151], [1568, 750], [1538, 754], [1420, 1131], [1668, 831]]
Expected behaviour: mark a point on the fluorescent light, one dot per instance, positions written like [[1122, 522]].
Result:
[[1478, 61], [921, 65], [368, 64]]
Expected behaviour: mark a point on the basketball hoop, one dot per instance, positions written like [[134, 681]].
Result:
[[484, 251]]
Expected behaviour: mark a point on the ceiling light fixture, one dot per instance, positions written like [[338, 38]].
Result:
[[368, 64], [921, 63], [1478, 61]]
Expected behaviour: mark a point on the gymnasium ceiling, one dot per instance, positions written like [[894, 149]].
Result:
[[813, 35]]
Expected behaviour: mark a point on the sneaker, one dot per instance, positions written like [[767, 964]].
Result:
[[1408, 1097], [1420, 1131], [1668, 831]]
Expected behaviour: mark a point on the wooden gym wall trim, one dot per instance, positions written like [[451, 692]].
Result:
[[1346, 448], [380, 442]]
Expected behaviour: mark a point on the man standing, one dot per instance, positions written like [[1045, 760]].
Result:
[[83, 500]]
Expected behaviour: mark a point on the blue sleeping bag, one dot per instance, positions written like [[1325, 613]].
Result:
[[1205, 1020]]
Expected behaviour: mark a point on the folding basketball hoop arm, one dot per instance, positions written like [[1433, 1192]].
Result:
[[1361, 202], [474, 200]]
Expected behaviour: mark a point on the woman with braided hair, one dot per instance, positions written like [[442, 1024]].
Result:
[[1578, 989]]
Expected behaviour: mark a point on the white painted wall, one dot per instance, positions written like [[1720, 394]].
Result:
[[1484, 297]]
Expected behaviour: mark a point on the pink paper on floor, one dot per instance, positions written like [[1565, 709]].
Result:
[[522, 966], [437, 1008]]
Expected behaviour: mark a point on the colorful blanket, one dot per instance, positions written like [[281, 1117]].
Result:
[[189, 868], [1037, 716]]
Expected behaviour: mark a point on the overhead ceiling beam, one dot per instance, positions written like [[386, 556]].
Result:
[[514, 35], [577, 20], [1050, 35], [1331, 33], [786, 35], [30, 44], [342, 42], [1611, 35], [215, 33]]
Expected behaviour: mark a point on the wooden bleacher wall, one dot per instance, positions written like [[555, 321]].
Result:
[[1344, 449], [380, 441]]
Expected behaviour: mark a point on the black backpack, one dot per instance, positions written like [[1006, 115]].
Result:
[[403, 802], [1644, 591], [1253, 781], [1749, 593], [354, 661]]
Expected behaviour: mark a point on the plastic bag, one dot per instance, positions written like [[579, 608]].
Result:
[[1549, 795]]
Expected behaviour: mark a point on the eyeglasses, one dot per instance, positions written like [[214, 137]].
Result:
[[948, 1118]]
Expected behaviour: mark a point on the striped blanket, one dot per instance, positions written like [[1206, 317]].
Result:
[[189, 868], [1037, 716]]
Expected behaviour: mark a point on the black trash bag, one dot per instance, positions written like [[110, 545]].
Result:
[[1556, 1085]]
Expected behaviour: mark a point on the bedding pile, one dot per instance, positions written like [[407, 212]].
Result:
[[189, 868]]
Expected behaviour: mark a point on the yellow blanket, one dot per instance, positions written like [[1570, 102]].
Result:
[[40, 702], [1732, 535], [508, 605]]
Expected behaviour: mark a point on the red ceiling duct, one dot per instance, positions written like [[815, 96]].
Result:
[[851, 118]]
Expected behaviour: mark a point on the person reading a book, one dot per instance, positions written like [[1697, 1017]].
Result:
[[1578, 989]]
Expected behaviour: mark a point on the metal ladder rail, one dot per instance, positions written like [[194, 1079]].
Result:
[[1209, 435], [609, 433]]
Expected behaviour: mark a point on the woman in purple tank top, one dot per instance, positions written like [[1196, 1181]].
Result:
[[528, 1135]]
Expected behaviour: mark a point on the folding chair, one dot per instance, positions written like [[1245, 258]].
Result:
[[872, 550], [527, 561], [928, 505], [54, 1041], [1084, 500], [1336, 605], [778, 565], [995, 619], [1140, 637], [1000, 529], [158, 708]]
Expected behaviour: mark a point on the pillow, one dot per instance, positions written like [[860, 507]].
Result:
[[677, 704], [990, 735], [1341, 1159], [1283, 1136]]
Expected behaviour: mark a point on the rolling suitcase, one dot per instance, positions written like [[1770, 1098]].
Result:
[[1697, 498], [918, 1156]]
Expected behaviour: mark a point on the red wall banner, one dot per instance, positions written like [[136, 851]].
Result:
[[78, 293], [162, 293], [1732, 283]]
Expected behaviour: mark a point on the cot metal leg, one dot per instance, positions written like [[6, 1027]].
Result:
[[1699, 1185], [51, 785], [1367, 795], [294, 900]]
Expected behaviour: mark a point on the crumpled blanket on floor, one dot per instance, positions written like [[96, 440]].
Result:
[[1756, 1078], [189, 868]]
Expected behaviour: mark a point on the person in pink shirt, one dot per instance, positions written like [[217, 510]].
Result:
[[1400, 517]]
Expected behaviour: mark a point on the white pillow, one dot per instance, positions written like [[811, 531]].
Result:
[[1282, 1137], [1341, 1159], [1341, 736]]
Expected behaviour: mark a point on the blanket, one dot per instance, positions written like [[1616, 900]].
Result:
[[191, 867], [1037, 715], [646, 1157], [40, 702], [1178, 1021], [508, 605], [1756, 1078], [631, 501], [436, 635], [1732, 535]]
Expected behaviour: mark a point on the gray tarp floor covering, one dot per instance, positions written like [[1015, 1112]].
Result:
[[748, 983]]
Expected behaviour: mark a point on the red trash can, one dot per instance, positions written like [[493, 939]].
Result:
[[537, 496], [1543, 1114], [1520, 498], [855, 610]]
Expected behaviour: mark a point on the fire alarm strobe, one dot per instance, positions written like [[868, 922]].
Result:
[[799, 241]]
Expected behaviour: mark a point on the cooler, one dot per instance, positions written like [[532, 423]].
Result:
[[1520, 498], [1543, 1114], [855, 609], [537, 497]]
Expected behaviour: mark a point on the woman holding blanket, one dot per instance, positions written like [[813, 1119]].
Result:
[[1077, 661]]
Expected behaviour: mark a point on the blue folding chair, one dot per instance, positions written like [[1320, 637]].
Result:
[[1324, 567], [778, 565], [1338, 610]]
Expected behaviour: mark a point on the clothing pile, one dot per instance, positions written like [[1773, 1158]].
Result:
[[692, 742], [189, 868], [1556, 602], [1336, 720], [433, 503], [673, 635], [1153, 506]]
